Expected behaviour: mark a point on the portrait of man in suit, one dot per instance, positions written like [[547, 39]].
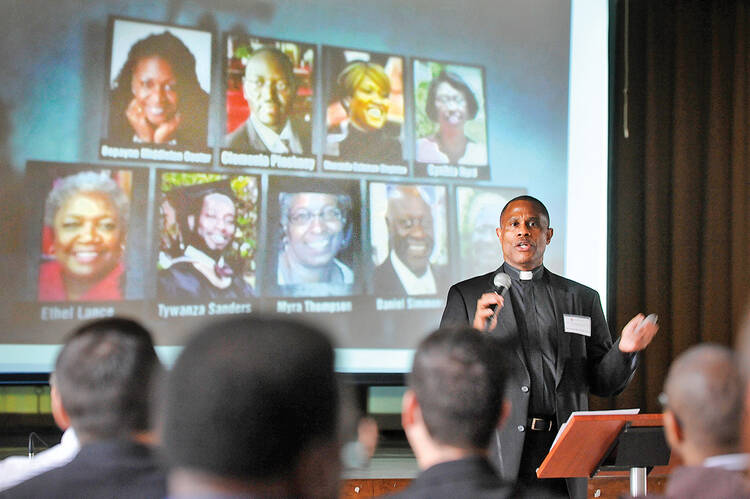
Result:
[[270, 89], [411, 224]]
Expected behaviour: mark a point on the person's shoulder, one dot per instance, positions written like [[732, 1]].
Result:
[[299, 125], [237, 138], [559, 281], [484, 281]]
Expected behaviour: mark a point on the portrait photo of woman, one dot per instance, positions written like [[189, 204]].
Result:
[[447, 107], [316, 242], [86, 220], [365, 116], [156, 97]]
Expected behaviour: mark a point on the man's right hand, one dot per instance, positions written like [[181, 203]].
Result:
[[485, 313]]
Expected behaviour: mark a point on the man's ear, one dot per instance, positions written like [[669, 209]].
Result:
[[59, 414], [504, 413], [673, 432], [410, 410], [550, 231]]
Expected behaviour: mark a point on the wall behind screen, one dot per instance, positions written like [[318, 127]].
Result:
[[52, 93]]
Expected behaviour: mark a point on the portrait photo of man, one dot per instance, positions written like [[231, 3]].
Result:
[[213, 262], [269, 96], [408, 233]]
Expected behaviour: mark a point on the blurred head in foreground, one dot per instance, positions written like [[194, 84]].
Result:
[[252, 408]]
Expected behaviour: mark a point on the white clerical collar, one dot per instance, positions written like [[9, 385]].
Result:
[[523, 275], [272, 140], [424, 285]]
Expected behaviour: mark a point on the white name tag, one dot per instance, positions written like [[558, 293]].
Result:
[[578, 324]]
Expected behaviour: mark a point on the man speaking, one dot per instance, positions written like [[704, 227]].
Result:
[[563, 347]]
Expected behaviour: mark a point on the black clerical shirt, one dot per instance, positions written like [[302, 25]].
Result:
[[534, 310]]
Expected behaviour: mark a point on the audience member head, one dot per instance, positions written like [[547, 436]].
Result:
[[104, 375], [703, 403], [743, 354], [455, 398], [252, 407]]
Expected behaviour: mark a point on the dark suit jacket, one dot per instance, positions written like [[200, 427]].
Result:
[[584, 364], [471, 477], [386, 281], [107, 469], [246, 139]]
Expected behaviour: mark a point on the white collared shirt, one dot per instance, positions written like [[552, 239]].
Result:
[[274, 141], [424, 285], [17, 469], [730, 462]]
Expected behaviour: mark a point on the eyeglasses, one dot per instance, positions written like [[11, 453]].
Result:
[[459, 100], [327, 215]]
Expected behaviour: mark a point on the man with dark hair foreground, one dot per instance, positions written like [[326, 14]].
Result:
[[104, 375], [251, 411], [450, 411], [703, 407]]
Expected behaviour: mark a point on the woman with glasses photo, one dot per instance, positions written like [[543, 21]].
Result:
[[315, 226]]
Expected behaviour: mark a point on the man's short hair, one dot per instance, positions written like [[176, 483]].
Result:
[[105, 374], [286, 63], [705, 392], [531, 199], [458, 379], [248, 395]]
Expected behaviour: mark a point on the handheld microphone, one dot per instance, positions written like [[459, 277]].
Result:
[[500, 282]]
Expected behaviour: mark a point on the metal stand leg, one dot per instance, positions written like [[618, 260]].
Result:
[[638, 481]]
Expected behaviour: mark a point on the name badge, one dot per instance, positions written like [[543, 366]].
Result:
[[577, 324]]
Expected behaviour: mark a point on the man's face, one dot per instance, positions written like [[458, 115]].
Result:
[[524, 234], [450, 105], [88, 236], [411, 231], [268, 91], [369, 105], [216, 221], [154, 87]]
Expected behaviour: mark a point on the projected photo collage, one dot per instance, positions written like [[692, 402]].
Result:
[[320, 187], [208, 243], [277, 113]]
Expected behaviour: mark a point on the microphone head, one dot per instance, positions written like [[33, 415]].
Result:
[[501, 280]]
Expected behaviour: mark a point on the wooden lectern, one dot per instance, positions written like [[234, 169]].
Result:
[[595, 443]]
